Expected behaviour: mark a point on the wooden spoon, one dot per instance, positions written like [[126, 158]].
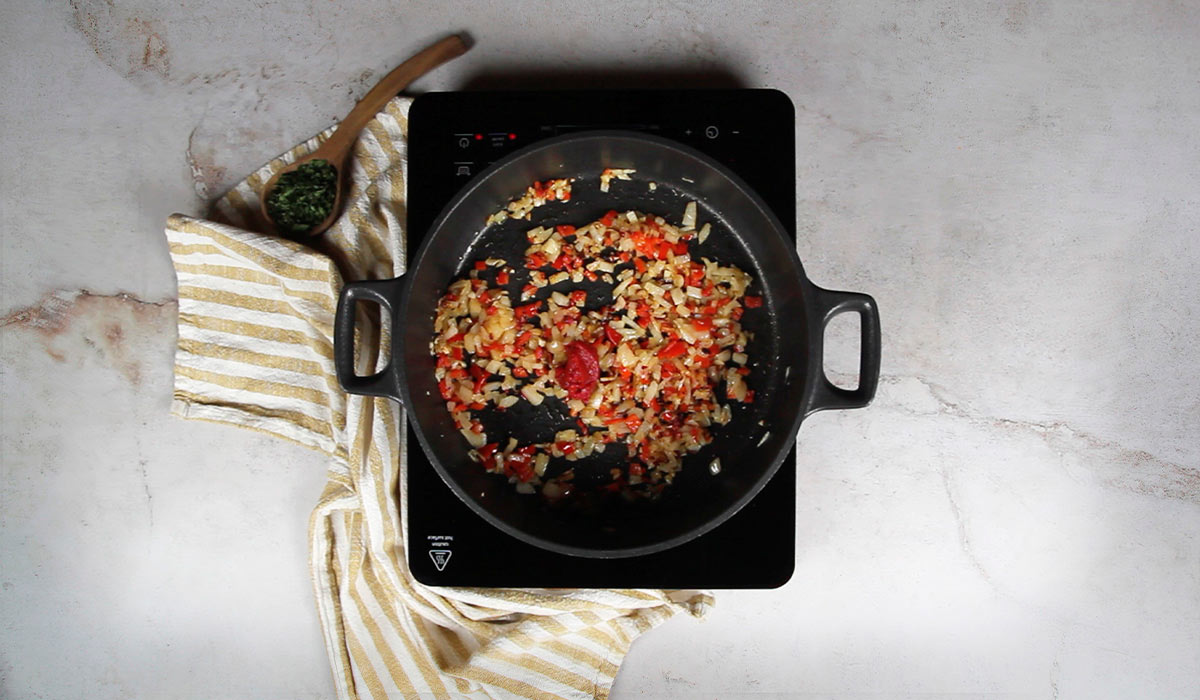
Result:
[[337, 148]]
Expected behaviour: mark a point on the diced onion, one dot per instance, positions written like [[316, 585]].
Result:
[[689, 217], [551, 248], [532, 395], [475, 439]]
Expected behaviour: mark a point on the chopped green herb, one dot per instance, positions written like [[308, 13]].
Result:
[[302, 198]]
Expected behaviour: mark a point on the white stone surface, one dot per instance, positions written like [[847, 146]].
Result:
[[1017, 515]]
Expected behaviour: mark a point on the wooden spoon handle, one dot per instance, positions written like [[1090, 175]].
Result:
[[389, 87]]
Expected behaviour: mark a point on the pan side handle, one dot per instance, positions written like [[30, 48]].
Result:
[[826, 395], [383, 382]]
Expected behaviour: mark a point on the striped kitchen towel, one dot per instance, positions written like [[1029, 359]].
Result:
[[255, 350]]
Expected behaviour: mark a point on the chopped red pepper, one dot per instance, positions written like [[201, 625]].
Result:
[[480, 376], [488, 450], [636, 469], [752, 302], [578, 297], [480, 265], [613, 336], [565, 447], [565, 230], [518, 465], [520, 312], [675, 348], [520, 372], [608, 218], [502, 277]]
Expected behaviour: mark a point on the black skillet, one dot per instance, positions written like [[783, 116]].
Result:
[[786, 350]]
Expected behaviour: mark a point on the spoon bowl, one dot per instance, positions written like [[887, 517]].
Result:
[[337, 149]]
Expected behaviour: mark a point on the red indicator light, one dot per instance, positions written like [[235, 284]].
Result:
[[512, 137], [478, 137]]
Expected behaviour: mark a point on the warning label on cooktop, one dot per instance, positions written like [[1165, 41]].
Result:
[[439, 550], [440, 557]]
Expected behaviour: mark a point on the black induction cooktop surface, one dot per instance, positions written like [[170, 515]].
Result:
[[455, 135]]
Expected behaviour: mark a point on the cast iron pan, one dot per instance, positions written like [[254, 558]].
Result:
[[786, 350]]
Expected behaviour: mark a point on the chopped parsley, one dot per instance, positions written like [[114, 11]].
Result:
[[302, 198]]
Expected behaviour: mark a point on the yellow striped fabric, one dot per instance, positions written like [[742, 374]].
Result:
[[255, 350]]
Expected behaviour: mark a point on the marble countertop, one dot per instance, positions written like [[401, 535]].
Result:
[[1016, 182]]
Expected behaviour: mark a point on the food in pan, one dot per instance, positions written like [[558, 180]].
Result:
[[535, 195], [650, 370]]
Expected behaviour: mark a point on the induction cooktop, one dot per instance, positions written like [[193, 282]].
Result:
[[455, 135]]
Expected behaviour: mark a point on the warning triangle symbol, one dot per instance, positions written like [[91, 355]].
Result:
[[439, 557]]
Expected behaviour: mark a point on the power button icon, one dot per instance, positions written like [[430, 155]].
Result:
[[711, 132]]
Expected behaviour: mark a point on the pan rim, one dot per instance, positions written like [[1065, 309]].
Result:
[[403, 312]]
